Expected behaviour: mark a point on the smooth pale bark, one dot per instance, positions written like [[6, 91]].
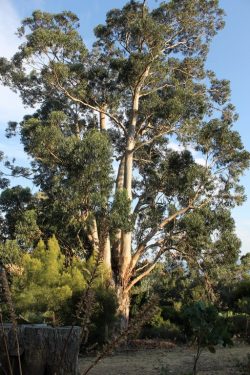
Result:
[[126, 240], [107, 256], [117, 241], [106, 247], [94, 236], [103, 124], [116, 250], [128, 179], [120, 175]]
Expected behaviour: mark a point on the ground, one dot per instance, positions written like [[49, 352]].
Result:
[[178, 361]]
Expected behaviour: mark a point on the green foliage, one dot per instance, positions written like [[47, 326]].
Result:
[[72, 159], [4, 182], [245, 265], [76, 181], [104, 316], [45, 284], [205, 325], [44, 289], [10, 252], [180, 207], [13, 204], [27, 231], [120, 214]]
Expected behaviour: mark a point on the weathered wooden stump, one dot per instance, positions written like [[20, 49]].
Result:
[[43, 350]]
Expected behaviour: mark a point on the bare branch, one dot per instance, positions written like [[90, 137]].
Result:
[[146, 93], [94, 108], [152, 139], [142, 246], [138, 278]]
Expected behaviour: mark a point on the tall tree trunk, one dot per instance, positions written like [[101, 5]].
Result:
[[117, 240], [94, 236], [103, 120], [128, 179], [119, 187], [126, 243], [107, 256], [106, 246]]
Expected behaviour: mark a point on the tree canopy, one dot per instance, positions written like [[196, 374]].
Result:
[[102, 134]]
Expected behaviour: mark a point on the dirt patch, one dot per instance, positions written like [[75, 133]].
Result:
[[179, 360]]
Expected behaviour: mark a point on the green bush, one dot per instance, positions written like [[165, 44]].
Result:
[[239, 326], [43, 286], [45, 290], [166, 333], [205, 325], [104, 317], [158, 328]]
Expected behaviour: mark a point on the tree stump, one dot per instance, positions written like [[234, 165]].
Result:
[[43, 350]]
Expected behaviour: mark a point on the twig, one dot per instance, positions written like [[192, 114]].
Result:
[[5, 344], [12, 314]]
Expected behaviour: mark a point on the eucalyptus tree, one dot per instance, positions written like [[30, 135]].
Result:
[[107, 123]]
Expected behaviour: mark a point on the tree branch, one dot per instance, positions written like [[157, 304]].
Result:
[[146, 93], [152, 139], [138, 278], [142, 246], [94, 108]]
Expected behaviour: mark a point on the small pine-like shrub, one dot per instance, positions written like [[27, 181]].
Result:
[[45, 284]]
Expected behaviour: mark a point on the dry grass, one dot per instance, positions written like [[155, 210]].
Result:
[[179, 360]]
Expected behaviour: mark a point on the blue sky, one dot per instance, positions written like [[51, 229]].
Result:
[[229, 57]]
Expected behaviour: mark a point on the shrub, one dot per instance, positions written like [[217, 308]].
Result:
[[45, 283], [206, 327]]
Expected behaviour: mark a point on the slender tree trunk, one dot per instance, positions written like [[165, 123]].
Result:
[[126, 238], [94, 236], [119, 187], [128, 179], [103, 120], [106, 246], [107, 255], [120, 175], [196, 358]]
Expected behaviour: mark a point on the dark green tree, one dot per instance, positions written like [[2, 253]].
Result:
[[146, 75], [206, 327], [13, 203]]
